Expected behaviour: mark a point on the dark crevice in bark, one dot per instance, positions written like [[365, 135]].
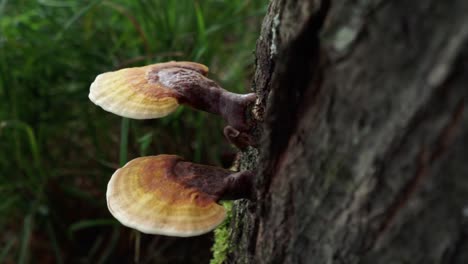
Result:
[[301, 61]]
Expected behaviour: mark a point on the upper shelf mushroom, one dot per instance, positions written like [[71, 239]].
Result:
[[156, 90], [166, 195]]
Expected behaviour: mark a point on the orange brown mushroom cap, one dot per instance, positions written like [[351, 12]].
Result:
[[166, 195], [136, 93], [156, 90]]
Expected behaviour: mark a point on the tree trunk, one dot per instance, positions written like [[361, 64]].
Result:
[[364, 150]]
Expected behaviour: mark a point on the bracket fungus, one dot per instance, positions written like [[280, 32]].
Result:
[[156, 90], [167, 195]]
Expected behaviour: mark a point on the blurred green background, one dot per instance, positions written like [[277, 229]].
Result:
[[58, 150]]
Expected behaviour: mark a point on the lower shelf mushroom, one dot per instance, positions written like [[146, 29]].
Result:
[[167, 195]]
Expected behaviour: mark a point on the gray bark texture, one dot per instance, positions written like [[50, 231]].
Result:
[[364, 149]]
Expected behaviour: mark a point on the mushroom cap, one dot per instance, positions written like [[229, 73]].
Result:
[[136, 92], [145, 195]]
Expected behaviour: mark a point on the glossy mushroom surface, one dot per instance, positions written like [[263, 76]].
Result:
[[146, 194], [136, 93]]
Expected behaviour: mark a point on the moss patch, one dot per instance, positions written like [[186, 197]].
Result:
[[221, 247]]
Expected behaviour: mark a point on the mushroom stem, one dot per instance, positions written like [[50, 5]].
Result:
[[217, 182], [238, 185], [232, 108], [199, 92]]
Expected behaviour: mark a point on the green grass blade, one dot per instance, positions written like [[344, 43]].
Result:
[[145, 142], [90, 223], [200, 24], [76, 17], [57, 3], [110, 246], [54, 241], [25, 239], [29, 134], [2, 6], [136, 257]]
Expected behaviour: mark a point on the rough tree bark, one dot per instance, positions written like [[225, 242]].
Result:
[[364, 152]]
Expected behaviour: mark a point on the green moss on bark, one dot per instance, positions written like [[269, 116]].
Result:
[[221, 247]]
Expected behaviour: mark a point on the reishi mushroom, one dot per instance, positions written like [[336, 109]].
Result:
[[156, 90], [167, 195]]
